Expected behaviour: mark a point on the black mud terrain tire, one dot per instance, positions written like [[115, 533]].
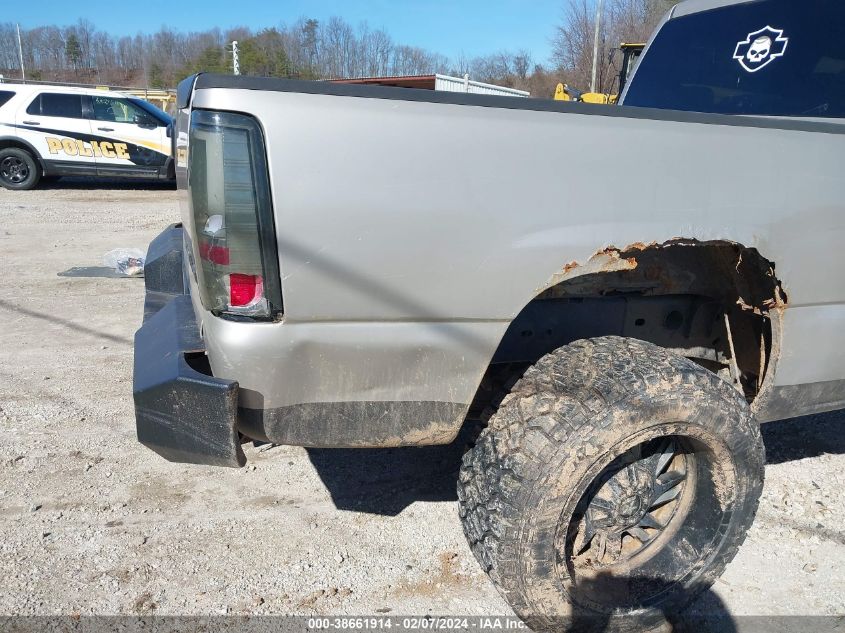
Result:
[[18, 169], [611, 487]]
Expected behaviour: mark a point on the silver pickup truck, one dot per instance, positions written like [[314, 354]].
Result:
[[620, 294]]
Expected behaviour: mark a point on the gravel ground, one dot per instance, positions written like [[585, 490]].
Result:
[[94, 523]]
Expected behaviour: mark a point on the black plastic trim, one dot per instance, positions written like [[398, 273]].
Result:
[[240, 82], [169, 170], [182, 412], [184, 91], [353, 424], [163, 270], [73, 168], [69, 168], [806, 399]]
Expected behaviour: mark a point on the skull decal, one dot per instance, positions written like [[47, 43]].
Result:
[[760, 48]]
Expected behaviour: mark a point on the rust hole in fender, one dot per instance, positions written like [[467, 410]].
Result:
[[718, 303]]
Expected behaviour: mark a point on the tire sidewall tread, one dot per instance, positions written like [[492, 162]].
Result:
[[32, 164], [561, 415]]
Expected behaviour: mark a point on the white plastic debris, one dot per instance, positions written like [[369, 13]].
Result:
[[126, 261]]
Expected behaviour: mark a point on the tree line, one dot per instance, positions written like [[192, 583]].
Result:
[[305, 49], [312, 49]]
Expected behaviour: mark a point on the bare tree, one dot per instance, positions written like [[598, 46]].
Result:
[[573, 42], [522, 64], [623, 21], [8, 46]]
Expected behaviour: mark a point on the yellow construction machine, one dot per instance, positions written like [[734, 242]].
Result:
[[630, 54]]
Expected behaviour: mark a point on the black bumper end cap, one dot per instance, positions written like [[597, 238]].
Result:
[[182, 414], [164, 276]]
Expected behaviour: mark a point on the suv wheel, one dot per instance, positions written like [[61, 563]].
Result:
[[18, 169], [614, 483]]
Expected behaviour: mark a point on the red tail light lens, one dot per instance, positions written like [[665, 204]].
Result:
[[235, 240], [214, 254], [245, 290]]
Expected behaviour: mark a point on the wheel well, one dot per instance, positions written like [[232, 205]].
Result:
[[14, 142], [716, 302]]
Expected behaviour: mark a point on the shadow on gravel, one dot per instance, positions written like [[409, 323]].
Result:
[[808, 436], [92, 183], [385, 481], [707, 614], [52, 319]]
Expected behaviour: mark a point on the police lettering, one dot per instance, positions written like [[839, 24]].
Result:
[[76, 147]]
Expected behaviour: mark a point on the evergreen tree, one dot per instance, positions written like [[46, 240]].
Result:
[[73, 50]]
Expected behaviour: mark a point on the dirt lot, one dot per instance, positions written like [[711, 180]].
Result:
[[92, 522]]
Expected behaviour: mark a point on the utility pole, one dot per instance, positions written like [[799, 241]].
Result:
[[20, 53], [236, 67], [596, 45]]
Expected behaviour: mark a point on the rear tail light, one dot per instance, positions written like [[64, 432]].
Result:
[[245, 290], [235, 247]]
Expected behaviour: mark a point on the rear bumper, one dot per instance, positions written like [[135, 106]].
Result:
[[182, 412]]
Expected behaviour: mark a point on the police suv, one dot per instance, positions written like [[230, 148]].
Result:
[[52, 131]]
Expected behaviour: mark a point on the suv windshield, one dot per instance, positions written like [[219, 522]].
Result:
[[773, 57]]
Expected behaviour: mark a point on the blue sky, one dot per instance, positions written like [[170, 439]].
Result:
[[474, 27]]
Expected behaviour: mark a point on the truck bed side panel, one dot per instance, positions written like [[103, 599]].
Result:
[[415, 231]]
